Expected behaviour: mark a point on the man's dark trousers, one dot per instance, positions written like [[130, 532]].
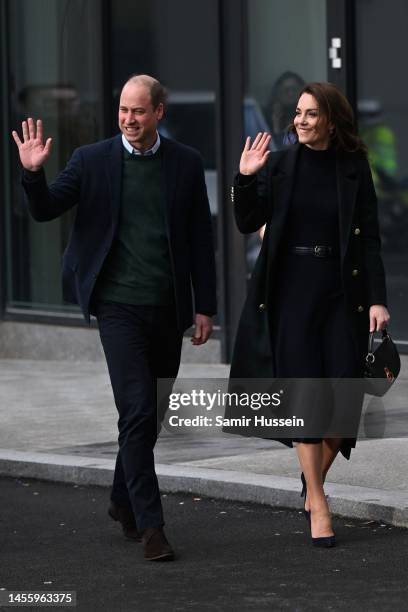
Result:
[[141, 344]]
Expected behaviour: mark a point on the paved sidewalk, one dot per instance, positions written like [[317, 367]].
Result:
[[58, 422]]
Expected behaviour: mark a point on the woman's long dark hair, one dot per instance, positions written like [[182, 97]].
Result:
[[335, 107]]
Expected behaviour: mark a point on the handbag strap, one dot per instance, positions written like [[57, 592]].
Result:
[[370, 354]]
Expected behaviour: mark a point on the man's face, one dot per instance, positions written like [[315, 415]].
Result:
[[137, 118]]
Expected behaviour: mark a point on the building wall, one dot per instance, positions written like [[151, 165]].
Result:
[[60, 343], [66, 62]]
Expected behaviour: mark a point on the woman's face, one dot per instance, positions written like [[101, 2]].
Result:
[[312, 127]]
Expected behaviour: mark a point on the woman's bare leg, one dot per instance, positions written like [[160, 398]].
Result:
[[330, 449], [311, 461]]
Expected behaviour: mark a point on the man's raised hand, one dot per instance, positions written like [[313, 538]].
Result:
[[33, 153], [254, 156]]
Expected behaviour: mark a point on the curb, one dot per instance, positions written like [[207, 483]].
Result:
[[345, 500]]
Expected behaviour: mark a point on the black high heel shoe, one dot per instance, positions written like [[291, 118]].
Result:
[[306, 513], [324, 542]]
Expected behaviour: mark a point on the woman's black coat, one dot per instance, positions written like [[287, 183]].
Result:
[[266, 199]]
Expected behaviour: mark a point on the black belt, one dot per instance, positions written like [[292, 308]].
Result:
[[317, 251]]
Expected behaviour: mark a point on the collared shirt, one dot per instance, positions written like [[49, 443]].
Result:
[[150, 151]]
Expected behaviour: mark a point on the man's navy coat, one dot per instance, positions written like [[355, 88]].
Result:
[[92, 179]]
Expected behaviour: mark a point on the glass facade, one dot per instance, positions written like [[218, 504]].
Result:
[[382, 102], [277, 71], [59, 77], [150, 37], [66, 60], [55, 76]]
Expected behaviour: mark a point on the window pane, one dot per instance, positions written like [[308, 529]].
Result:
[[287, 48], [176, 43], [382, 112], [55, 74]]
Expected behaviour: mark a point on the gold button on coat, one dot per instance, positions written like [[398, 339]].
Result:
[[357, 231], [360, 308], [262, 306], [354, 273]]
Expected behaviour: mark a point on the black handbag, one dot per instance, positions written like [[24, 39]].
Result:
[[382, 366]]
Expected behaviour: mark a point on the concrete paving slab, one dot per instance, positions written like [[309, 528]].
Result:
[[46, 404], [374, 463], [345, 500]]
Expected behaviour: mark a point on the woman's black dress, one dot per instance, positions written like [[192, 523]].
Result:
[[311, 334]]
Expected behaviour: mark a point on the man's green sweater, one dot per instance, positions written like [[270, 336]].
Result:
[[137, 269]]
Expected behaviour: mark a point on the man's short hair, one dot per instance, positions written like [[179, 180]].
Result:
[[157, 92]]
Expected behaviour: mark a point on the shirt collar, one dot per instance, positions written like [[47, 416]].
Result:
[[150, 151]]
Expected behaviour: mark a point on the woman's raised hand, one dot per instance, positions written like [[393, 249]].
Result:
[[33, 153], [254, 156]]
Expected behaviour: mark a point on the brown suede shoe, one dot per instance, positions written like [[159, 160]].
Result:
[[124, 515], [156, 546]]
